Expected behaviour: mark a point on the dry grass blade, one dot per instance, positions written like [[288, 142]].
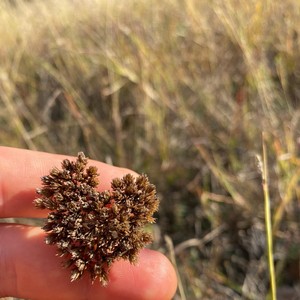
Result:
[[223, 178], [199, 242], [170, 247]]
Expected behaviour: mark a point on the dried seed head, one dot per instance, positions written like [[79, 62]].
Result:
[[91, 229]]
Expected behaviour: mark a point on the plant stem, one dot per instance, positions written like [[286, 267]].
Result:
[[269, 235]]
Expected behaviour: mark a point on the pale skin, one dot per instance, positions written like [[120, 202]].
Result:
[[30, 269]]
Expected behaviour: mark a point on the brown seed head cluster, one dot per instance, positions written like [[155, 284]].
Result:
[[93, 229]]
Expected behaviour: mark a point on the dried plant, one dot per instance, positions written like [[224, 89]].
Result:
[[93, 229]]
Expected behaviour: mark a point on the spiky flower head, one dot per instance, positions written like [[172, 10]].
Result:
[[93, 229]]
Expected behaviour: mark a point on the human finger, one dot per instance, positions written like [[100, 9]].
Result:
[[20, 174], [30, 270]]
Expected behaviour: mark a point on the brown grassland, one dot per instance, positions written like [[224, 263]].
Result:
[[182, 91]]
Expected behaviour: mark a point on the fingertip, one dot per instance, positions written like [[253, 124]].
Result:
[[152, 272], [162, 273]]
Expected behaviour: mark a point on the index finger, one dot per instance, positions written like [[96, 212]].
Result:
[[20, 174]]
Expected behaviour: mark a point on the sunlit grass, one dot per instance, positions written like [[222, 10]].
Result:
[[181, 90], [268, 218]]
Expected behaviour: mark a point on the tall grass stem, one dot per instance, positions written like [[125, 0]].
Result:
[[265, 180]]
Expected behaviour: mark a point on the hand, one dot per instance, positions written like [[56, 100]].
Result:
[[30, 269]]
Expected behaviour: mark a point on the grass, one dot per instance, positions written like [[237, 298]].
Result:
[[268, 221], [181, 90]]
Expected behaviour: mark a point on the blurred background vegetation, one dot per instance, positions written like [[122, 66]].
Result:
[[182, 91]]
